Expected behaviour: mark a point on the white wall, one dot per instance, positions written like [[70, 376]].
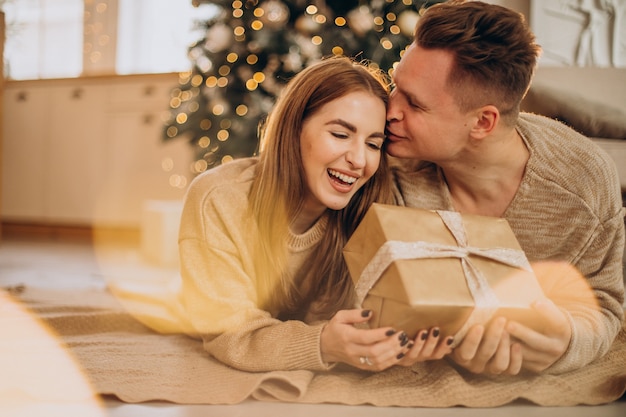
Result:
[[580, 32], [576, 32]]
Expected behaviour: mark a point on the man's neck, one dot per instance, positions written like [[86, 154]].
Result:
[[486, 183]]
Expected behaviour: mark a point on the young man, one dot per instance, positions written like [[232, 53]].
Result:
[[455, 109]]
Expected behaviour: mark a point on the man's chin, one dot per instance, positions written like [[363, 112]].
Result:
[[398, 151]]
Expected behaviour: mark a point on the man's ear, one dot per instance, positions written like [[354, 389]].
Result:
[[487, 119]]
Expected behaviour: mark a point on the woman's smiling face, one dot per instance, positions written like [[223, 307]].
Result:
[[341, 149]]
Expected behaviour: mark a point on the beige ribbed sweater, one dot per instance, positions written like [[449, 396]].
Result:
[[569, 208]]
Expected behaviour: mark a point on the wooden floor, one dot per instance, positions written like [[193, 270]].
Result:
[[76, 261]]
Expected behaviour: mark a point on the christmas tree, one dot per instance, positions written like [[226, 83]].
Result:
[[253, 47]]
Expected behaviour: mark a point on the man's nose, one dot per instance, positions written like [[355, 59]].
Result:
[[393, 109]]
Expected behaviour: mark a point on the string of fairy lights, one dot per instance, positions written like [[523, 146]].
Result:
[[251, 48]]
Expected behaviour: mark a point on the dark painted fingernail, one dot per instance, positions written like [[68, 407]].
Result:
[[410, 345], [400, 355], [390, 332], [366, 313], [435, 332], [450, 341], [424, 336], [403, 342], [402, 336]]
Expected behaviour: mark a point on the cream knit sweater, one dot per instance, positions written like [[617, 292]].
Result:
[[568, 208], [217, 268]]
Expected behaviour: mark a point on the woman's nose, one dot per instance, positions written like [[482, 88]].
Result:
[[356, 155]]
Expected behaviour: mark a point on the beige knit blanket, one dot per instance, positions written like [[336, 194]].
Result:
[[122, 357]]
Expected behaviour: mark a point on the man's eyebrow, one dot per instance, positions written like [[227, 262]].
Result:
[[412, 98], [404, 92]]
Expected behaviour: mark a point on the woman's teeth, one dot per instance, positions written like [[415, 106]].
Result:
[[343, 177]]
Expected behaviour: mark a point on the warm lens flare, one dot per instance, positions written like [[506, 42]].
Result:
[[38, 377], [565, 285]]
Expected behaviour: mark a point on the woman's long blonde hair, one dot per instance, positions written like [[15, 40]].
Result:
[[278, 192]]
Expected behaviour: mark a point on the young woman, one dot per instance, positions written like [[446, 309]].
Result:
[[261, 238]]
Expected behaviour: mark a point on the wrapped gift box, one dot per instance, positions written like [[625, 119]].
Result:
[[416, 269]]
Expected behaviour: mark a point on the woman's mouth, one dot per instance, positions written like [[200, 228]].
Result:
[[342, 178]]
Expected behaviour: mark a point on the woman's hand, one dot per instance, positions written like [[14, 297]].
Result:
[[370, 349], [375, 349], [427, 346]]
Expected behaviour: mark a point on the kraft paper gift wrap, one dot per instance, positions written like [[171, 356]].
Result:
[[416, 269]]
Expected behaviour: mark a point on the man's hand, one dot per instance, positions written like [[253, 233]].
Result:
[[541, 350], [508, 347], [489, 350]]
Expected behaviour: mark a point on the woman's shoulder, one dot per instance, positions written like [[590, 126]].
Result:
[[216, 195], [232, 175]]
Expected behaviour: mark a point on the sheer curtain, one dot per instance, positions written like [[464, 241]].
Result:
[[71, 38]]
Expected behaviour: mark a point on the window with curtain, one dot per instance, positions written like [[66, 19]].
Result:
[[73, 38]]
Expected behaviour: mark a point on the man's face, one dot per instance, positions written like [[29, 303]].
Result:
[[423, 120]]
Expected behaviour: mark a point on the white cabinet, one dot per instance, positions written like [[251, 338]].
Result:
[[74, 168], [143, 163], [25, 125], [89, 151]]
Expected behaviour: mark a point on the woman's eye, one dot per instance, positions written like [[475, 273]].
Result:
[[339, 135], [375, 145]]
